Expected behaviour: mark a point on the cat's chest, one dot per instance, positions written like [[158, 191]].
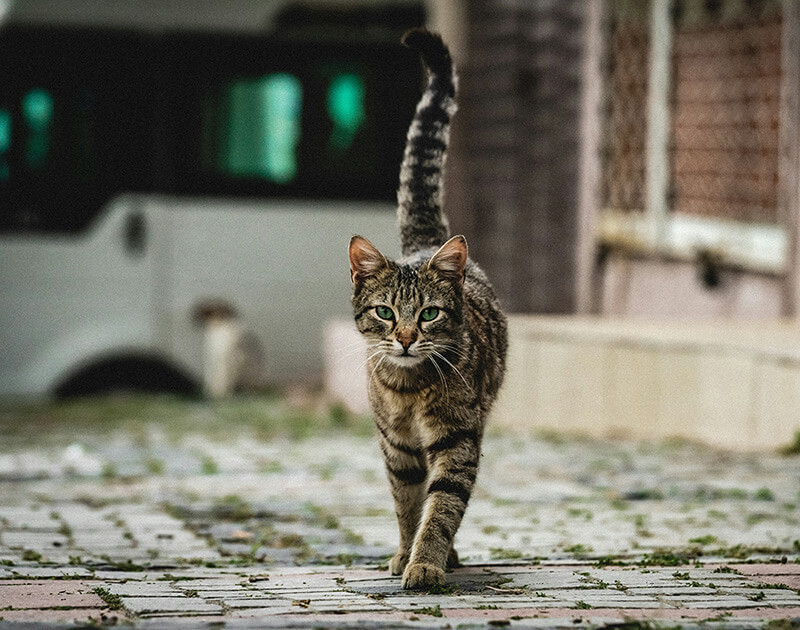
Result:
[[405, 412]]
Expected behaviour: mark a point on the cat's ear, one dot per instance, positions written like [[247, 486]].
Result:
[[451, 259], [365, 260]]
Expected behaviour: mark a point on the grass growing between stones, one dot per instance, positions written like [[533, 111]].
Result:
[[113, 601], [266, 417]]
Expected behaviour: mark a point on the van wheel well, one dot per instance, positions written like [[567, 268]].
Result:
[[127, 373]]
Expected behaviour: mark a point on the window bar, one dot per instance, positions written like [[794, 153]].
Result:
[[658, 121], [589, 197], [789, 165]]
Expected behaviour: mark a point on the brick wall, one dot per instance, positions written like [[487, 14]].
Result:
[[725, 124], [513, 169], [723, 150]]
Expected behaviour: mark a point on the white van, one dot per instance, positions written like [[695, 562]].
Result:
[[143, 170]]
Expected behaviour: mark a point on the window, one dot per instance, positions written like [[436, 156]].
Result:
[[319, 121], [73, 127], [691, 147], [88, 115], [346, 111], [258, 128], [5, 143], [37, 114]]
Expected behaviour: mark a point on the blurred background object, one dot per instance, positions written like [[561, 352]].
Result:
[[234, 361], [697, 159], [156, 153], [618, 159]]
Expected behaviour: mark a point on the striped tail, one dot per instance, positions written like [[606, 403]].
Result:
[[419, 196]]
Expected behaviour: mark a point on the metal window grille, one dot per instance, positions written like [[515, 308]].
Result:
[[623, 176], [722, 152]]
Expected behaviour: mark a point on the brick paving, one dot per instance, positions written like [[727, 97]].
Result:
[[193, 531]]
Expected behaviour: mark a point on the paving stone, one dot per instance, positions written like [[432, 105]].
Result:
[[257, 602], [37, 540], [31, 570], [148, 588], [262, 613], [48, 619], [158, 605], [565, 505], [48, 594]]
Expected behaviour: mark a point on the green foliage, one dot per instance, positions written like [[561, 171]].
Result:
[[727, 569], [267, 417], [500, 553], [579, 549], [670, 557], [232, 507], [708, 539], [113, 601], [208, 465], [764, 494], [155, 466], [794, 447], [433, 611], [441, 589], [780, 624]]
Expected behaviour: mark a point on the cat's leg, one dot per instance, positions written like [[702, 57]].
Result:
[[406, 471], [453, 465], [452, 559]]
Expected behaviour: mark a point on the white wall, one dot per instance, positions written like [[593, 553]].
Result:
[[672, 290]]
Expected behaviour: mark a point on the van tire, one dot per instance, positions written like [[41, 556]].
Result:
[[128, 374]]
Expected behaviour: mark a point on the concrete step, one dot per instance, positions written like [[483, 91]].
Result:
[[730, 384]]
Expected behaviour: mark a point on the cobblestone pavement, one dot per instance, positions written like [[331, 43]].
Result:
[[193, 531]]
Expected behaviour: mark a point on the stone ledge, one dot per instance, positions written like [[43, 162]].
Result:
[[729, 384]]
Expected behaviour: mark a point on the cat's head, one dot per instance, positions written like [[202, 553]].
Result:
[[409, 312]]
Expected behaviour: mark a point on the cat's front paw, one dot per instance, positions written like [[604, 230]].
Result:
[[398, 563], [420, 575]]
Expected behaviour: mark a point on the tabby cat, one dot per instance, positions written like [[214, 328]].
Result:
[[437, 339]]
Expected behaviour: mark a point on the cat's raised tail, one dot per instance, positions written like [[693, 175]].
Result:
[[419, 196]]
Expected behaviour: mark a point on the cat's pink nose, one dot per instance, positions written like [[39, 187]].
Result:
[[406, 337]]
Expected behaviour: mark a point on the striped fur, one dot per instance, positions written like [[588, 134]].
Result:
[[419, 196], [437, 340]]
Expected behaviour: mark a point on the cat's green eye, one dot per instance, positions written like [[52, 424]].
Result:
[[429, 314], [384, 312]]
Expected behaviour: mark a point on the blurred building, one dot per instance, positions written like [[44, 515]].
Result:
[[638, 161], [625, 158], [631, 158], [690, 159], [514, 167]]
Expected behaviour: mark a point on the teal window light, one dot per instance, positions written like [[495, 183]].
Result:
[[37, 111], [263, 127], [5, 143], [346, 110]]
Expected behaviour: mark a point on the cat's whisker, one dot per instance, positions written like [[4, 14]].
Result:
[[441, 376], [357, 342], [369, 380], [365, 361], [461, 354], [431, 346], [356, 351], [455, 369]]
